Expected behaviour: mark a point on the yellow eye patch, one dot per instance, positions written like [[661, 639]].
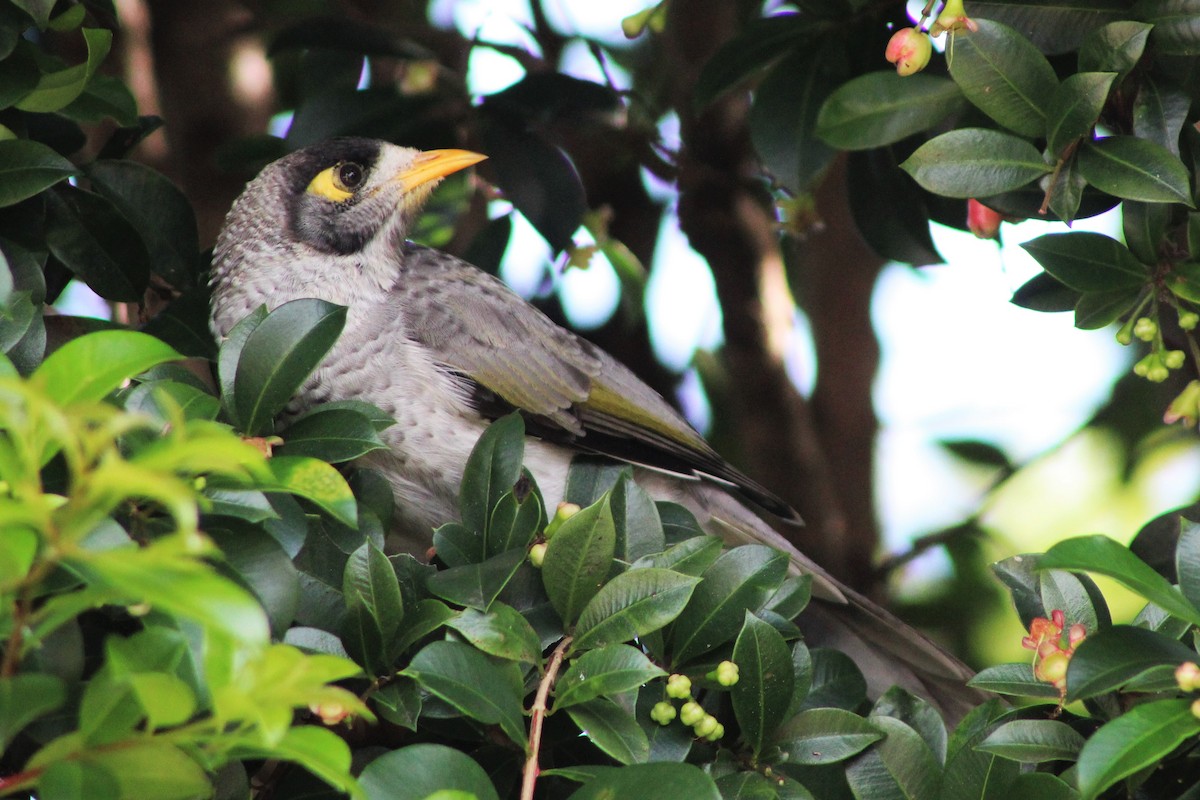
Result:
[[337, 183]]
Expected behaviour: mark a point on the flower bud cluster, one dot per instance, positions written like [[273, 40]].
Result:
[[1051, 658], [691, 713]]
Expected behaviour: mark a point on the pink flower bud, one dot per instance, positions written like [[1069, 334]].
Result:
[[983, 221], [909, 49]]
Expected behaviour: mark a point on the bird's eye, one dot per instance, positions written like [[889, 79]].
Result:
[[338, 183]]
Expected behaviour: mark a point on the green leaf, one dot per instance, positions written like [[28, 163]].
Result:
[[56, 90], [837, 681], [1135, 169], [612, 729], [1159, 113], [763, 693], [825, 736], [464, 677], [579, 558], [158, 210], [1187, 560], [88, 368], [501, 631], [1087, 262], [426, 617], [150, 767], [1013, 679], [783, 119], [331, 434], [228, 356], [1044, 292], [659, 781], [1033, 741], [880, 108], [1110, 658], [741, 580], [1145, 227], [476, 585], [78, 780], [970, 772], [1004, 76], [1184, 280], [974, 162], [1176, 25], [261, 564], [1105, 556], [27, 168], [899, 766], [1115, 47], [420, 770], [1133, 741], [317, 482], [492, 470], [609, 670], [692, 556], [279, 355], [89, 236], [638, 528], [320, 751], [24, 698], [757, 44], [918, 714], [633, 604], [1076, 106], [374, 607]]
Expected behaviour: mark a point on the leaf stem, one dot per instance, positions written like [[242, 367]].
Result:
[[538, 714]]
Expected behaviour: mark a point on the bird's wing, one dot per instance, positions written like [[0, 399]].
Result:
[[567, 388]]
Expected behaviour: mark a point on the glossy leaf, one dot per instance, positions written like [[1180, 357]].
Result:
[[825, 736], [27, 168], [759, 43], [418, 771], [88, 368], [1133, 741], [1107, 660], [836, 681], [501, 631], [1115, 47], [690, 557], [57, 89], [1135, 169], [578, 559], [87, 234], [632, 604], [1033, 741], [880, 108], [333, 435], [901, 765], [317, 482], [612, 729], [606, 671], [649, 782], [1087, 262], [1105, 556], [374, 607], [1187, 560], [637, 525], [742, 579], [1159, 112], [970, 772], [974, 162], [1176, 25], [278, 356], [466, 679], [1005, 76], [763, 693], [477, 585], [917, 713], [783, 119], [491, 471], [1075, 108], [1012, 679]]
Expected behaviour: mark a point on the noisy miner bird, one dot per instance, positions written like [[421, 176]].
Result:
[[444, 348]]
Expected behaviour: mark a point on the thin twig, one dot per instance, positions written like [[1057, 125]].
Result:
[[538, 714]]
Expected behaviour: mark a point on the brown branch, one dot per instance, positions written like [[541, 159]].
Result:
[[538, 715]]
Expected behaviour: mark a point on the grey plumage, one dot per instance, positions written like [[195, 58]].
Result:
[[444, 347]]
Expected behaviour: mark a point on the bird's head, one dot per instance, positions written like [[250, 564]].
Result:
[[327, 215]]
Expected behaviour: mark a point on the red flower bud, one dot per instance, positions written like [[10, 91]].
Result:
[[983, 221], [909, 49]]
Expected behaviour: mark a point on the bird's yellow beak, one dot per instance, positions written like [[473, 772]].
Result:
[[434, 165]]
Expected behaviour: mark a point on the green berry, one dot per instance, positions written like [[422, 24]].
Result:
[[1158, 373], [662, 713], [679, 687], [691, 713], [1173, 359], [717, 733], [563, 513], [706, 726], [537, 554], [727, 673], [1188, 320], [1145, 329]]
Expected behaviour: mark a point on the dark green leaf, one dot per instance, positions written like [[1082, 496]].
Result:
[[374, 607], [491, 471], [476, 585], [1115, 47], [94, 241], [88, 368], [1159, 113], [1176, 25], [970, 772], [1105, 556], [464, 677], [1100, 309], [837, 681], [825, 736], [1014, 679], [649, 782], [418, 771], [783, 119], [609, 670], [331, 434], [265, 569], [1187, 560], [1087, 262], [1135, 169], [1145, 227], [1032, 741], [1067, 192], [1041, 786], [514, 523], [763, 693], [501, 631], [759, 43], [399, 703], [638, 528], [55, 90], [579, 558], [229, 355], [158, 210], [426, 617], [24, 698], [1044, 292], [1072, 594], [1055, 26], [278, 356], [105, 97], [1133, 741], [880, 108], [741, 580], [974, 162], [27, 168], [631, 605], [690, 557], [1075, 108], [1005, 76], [888, 208], [900, 766], [918, 714], [1107, 660]]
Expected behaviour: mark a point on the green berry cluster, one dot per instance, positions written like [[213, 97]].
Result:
[[1156, 366], [691, 713]]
